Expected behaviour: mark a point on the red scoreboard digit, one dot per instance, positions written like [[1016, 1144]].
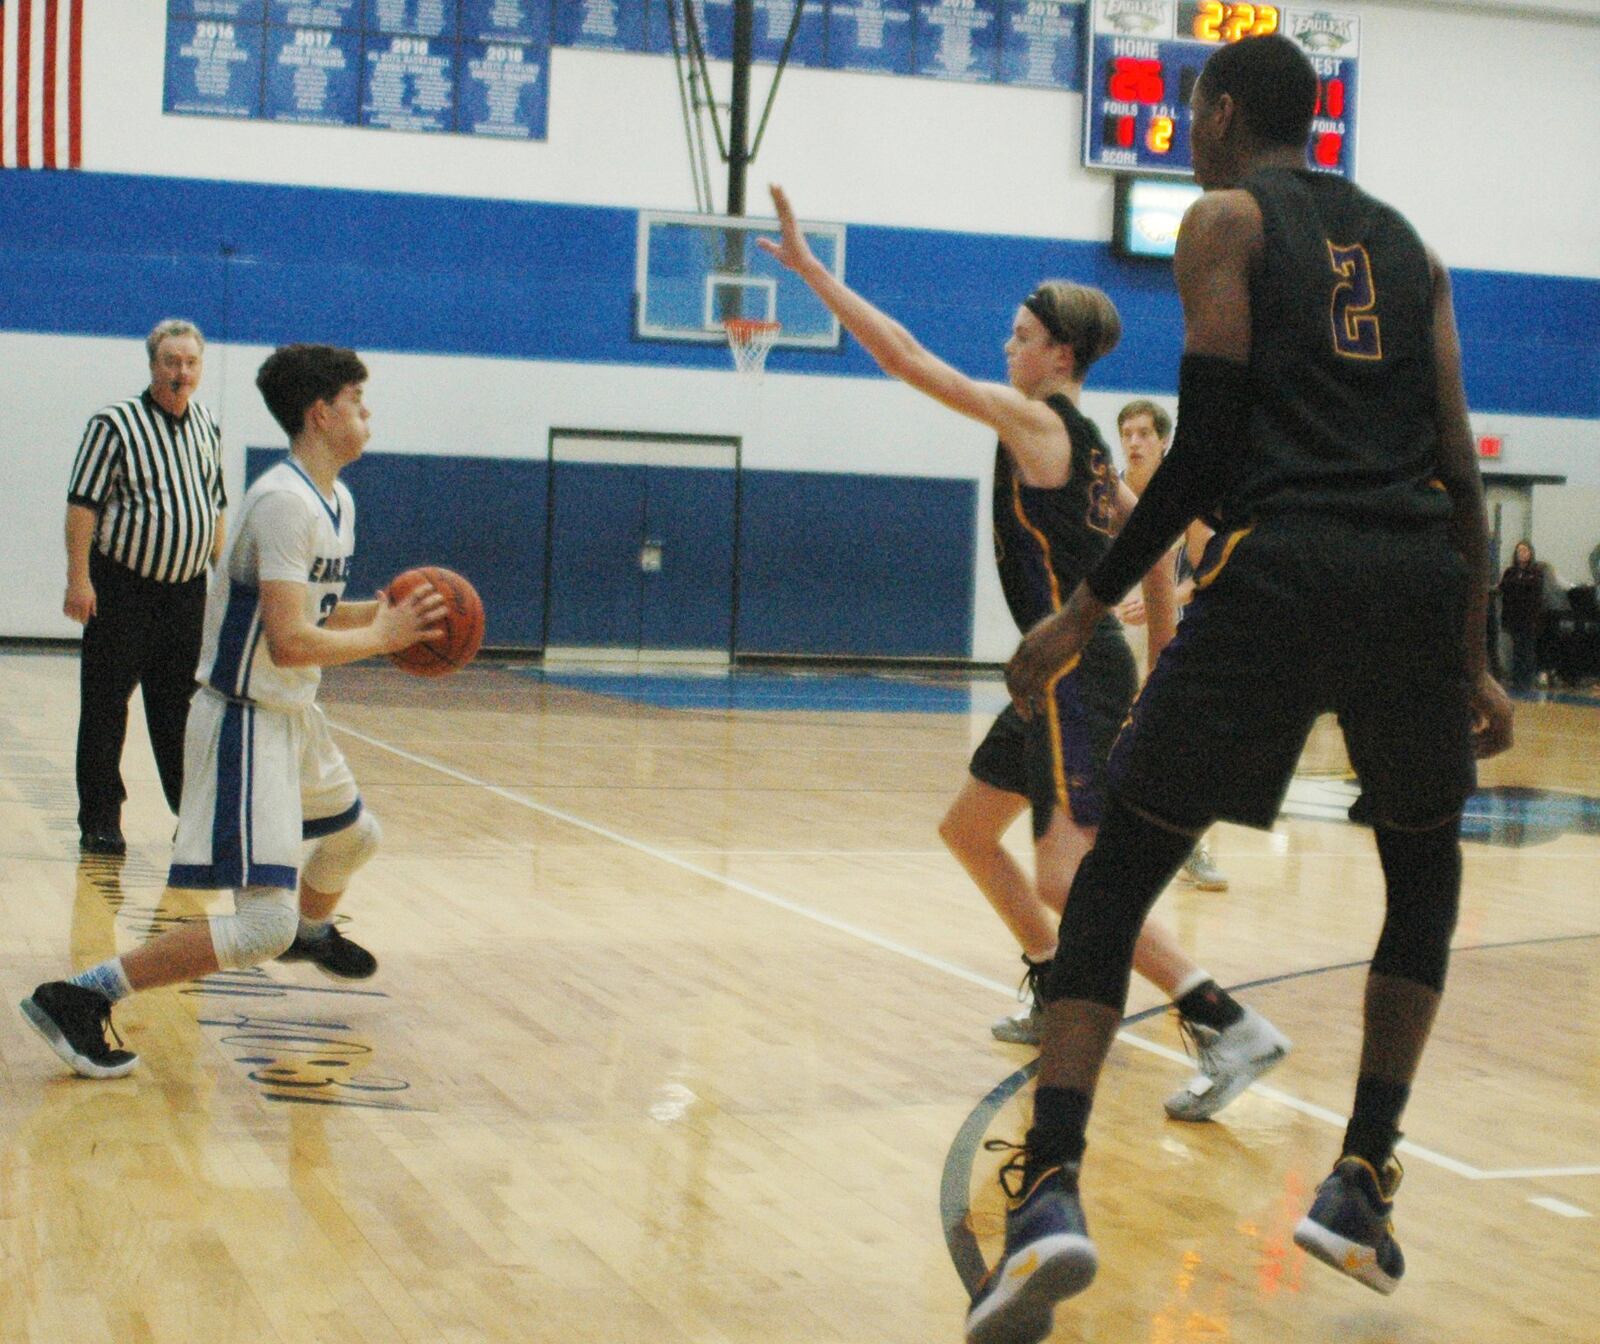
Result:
[[1136, 81]]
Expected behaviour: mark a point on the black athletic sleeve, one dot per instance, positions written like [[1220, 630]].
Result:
[[1213, 409]]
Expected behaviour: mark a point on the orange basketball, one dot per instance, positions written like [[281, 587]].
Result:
[[463, 623]]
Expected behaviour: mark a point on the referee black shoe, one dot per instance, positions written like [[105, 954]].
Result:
[[76, 1024], [332, 954], [102, 840]]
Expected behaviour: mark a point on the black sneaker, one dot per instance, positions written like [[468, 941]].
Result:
[[102, 840], [75, 1023], [333, 954]]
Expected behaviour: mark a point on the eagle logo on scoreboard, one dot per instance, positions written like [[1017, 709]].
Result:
[[1135, 16], [1322, 32]]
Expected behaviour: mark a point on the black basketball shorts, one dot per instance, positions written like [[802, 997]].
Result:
[[1300, 616], [1058, 759]]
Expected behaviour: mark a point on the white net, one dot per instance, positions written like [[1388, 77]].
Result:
[[750, 341]]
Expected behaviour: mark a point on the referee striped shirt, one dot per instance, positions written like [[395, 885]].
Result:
[[156, 481]]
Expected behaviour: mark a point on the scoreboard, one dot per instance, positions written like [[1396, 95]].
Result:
[[1145, 57]]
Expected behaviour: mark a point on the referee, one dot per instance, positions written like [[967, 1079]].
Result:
[[144, 518]]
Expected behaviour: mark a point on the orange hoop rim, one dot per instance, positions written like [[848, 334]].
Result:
[[750, 338]]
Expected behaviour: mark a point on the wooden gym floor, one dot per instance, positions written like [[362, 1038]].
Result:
[[681, 1034]]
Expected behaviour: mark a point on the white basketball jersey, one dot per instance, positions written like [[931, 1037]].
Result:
[[286, 530]]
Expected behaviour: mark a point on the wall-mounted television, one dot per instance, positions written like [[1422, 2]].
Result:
[[1146, 214]]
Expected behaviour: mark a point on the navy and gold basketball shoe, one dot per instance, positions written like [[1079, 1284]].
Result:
[[1048, 1257], [1350, 1225]]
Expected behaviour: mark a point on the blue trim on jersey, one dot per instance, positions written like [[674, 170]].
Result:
[[209, 877], [273, 875], [335, 511], [248, 778], [321, 826], [194, 877], [233, 823], [228, 849], [235, 646], [257, 632]]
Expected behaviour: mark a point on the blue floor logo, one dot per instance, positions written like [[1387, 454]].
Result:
[[1505, 816]]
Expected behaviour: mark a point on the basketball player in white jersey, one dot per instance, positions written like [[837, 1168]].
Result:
[[261, 771]]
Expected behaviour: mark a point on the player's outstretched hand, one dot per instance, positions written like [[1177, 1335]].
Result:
[[417, 616], [792, 250], [1130, 611], [1491, 717]]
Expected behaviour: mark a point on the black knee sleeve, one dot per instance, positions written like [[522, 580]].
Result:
[[1422, 871], [1132, 861]]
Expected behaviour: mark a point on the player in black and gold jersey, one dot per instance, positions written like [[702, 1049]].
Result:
[[1057, 503], [1322, 418]]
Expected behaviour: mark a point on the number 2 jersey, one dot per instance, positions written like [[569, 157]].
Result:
[[286, 530], [1343, 416], [1047, 539]]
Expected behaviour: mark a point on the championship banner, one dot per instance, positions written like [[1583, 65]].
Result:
[[466, 67], [41, 83]]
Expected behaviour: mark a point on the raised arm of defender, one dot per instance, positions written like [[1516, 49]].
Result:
[[1030, 429]]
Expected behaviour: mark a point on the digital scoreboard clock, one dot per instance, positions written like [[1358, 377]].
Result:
[[1145, 57]]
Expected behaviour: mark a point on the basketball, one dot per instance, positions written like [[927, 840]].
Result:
[[463, 623]]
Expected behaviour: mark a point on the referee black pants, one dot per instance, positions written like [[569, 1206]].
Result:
[[147, 634]]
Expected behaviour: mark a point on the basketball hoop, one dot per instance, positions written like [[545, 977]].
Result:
[[750, 340]]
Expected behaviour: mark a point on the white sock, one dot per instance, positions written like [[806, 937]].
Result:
[[1190, 983], [107, 978]]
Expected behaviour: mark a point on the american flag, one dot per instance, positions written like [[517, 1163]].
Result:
[[41, 83]]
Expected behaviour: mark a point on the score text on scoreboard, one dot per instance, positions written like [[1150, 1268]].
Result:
[[1145, 57]]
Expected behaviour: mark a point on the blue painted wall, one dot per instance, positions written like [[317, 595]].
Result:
[[841, 564], [95, 254]]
